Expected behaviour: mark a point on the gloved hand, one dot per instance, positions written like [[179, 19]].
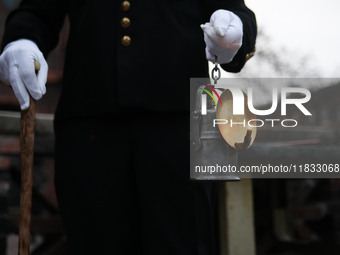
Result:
[[222, 36], [17, 70]]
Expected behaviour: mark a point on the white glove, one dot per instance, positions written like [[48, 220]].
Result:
[[222, 36], [17, 70]]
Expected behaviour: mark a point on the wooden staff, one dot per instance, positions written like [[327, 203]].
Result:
[[27, 151]]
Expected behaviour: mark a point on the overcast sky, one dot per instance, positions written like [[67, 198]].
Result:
[[308, 27]]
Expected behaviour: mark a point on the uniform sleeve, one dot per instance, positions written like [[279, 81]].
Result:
[[36, 20], [247, 49]]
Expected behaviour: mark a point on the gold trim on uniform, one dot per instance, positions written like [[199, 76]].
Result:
[[250, 55]]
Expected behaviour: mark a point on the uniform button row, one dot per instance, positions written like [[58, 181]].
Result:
[[125, 23]]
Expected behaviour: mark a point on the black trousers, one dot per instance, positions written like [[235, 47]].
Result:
[[123, 187]]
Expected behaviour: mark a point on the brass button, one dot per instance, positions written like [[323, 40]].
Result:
[[125, 22], [125, 6], [126, 40]]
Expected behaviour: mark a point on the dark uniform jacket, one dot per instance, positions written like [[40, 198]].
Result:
[[102, 75]]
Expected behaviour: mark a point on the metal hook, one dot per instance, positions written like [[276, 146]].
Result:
[[216, 69]]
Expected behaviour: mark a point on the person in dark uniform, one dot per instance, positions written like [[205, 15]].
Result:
[[122, 121]]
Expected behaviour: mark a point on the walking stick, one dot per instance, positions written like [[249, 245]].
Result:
[[27, 151]]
